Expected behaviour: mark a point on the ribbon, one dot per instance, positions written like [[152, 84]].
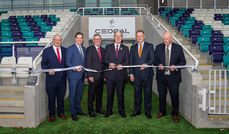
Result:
[[89, 70]]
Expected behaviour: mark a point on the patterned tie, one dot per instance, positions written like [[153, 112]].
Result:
[[81, 53], [167, 59], [140, 51], [99, 54], [58, 54], [116, 51]]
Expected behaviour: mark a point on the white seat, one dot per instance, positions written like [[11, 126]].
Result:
[[202, 15], [225, 27], [200, 18], [7, 65], [226, 33], [210, 15], [23, 64], [218, 11], [194, 14], [217, 27], [50, 34]]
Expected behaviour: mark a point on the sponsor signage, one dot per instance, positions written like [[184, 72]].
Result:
[[106, 26]]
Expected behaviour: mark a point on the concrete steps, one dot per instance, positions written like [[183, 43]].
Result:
[[11, 103]]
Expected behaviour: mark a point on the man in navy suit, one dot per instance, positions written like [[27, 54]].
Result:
[[95, 61], [54, 57], [142, 53], [169, 54], [116, 56], [75, 56]]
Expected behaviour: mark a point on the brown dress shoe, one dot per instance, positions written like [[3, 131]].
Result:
[[62, 116], [159, 115], [52, 118], [175, 119]]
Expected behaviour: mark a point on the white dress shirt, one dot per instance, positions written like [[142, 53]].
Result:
[[54, 48]]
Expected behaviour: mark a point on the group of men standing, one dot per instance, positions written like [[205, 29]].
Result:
[[114, 57]]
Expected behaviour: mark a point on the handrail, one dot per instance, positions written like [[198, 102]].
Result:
[[109, 7], [190, 57], [65, 27]]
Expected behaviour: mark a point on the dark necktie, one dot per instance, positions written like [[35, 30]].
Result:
[[99, 54], [167, 59], [116, 51], [58, 54]]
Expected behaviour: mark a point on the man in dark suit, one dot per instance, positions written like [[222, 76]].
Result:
[[142, 53], [75, 56], [169, 54], [116, 56], [95, 61], [54, 57]]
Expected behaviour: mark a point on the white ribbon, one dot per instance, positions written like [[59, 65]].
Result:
[[90, 70]]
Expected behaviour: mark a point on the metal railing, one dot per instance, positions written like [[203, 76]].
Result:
[[65, 27], [188, 54], [217, 91]]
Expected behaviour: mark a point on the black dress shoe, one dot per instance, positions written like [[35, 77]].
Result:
[[148, 115], [82, 114], [92, 114], [106, 115], [135, 113], [123, 115], [99, 111], [74, 117]]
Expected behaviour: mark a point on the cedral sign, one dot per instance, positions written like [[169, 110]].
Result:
[[106, 26]]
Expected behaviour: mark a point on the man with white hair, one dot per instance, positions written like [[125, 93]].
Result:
[[169, 54]]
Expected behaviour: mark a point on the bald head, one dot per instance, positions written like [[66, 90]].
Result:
[[167, 38]]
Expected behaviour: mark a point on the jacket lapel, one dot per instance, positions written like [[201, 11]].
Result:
[[96, 53], [144, 50], [163, 54], [53, 52], [172, 53], [114, 51]]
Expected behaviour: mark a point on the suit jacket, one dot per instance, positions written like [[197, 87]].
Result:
[[73, 58], [147, 57], [50, 61], [176, 58], [93, 61], [123, 58]]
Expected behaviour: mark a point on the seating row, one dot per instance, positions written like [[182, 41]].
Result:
[[206, 38], [8, 64]]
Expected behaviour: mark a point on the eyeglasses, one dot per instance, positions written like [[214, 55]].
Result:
[[57, 39], [117, 36]]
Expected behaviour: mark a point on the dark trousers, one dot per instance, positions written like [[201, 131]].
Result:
[[138, 83], [173, 88], [95, 89], [75, 94], [119, 85], [56, 90]]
